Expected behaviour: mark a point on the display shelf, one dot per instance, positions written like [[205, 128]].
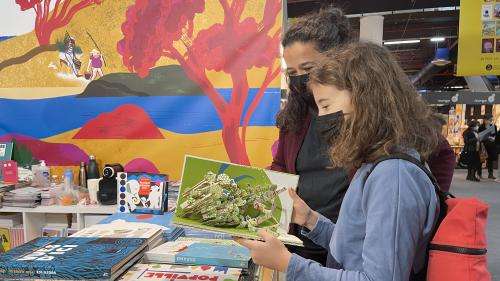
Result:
[[35, 218], [56, 209]]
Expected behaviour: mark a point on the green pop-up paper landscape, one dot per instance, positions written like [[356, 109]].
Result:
[[235, 199]]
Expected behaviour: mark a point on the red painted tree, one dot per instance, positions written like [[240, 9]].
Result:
[[47, 21], [154, 29]]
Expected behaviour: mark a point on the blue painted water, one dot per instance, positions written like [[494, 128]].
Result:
[[43, 118], [3, 38]]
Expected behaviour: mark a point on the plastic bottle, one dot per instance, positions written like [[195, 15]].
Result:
[[92, 168], [82, 176], [68, 179]]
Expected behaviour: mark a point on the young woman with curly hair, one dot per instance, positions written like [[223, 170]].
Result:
[[388, 214]]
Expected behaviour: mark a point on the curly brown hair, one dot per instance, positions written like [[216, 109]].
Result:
[[327, 29], [388, 116]]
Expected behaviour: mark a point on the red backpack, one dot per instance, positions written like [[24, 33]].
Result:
[[457, 251]]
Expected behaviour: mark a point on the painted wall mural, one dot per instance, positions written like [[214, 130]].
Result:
[[141, 82]]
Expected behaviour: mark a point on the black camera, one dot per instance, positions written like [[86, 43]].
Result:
[[108, 184]]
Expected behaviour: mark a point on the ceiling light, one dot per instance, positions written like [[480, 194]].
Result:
[[442, 57], [438, 39], [402, 42]]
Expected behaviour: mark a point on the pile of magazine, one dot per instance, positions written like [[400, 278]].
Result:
[[48, 197], [172, 195], [4, 188], [27, 197]]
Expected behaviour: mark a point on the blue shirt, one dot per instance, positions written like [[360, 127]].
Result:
[[383, 228]]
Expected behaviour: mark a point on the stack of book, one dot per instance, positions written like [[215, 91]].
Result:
[[121, 229], [4, 188], [195, 259], [170, 232], [189, 251], [48, 197], [146, 272], [172, 195], [72, 258], [27, 197]]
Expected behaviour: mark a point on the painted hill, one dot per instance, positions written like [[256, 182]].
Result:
[[141, 165], [125, 122], [162, 81], [54, 154]]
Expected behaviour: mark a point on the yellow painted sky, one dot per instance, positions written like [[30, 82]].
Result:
[[103, 22]]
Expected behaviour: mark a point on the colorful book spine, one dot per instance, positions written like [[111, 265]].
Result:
[[16, 236], [233, 263], [146, 272], [176, 276]]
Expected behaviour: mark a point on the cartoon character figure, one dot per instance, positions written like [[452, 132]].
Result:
[[95, 63], [155, 197], [68, 57], [132, 197]]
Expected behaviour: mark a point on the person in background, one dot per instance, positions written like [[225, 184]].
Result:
[[303, 143], [388, 213], [489, 143], [472, 148], [442, 161]]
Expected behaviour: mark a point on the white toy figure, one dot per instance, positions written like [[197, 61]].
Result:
[[133, 196], [155, 197]]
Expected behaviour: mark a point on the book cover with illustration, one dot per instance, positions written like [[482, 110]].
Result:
[[197, 251], [235, 199], [142, 193], [70, 258], [146, 272], [123, 229], [54, 231], [170, 232], [5, 239]]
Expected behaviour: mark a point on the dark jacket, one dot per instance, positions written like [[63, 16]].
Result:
[[441, 163], [490, 145], [471, 149]]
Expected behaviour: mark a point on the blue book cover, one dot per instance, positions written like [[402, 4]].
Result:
[[201, 252], [70, 258]]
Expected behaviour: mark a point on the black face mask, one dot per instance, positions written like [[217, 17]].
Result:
[[329, 125], [298, 86], [298, 83]]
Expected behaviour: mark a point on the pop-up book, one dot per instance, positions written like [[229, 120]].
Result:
[[235, 199]]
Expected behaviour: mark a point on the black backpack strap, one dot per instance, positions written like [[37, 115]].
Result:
[[442, 197]]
